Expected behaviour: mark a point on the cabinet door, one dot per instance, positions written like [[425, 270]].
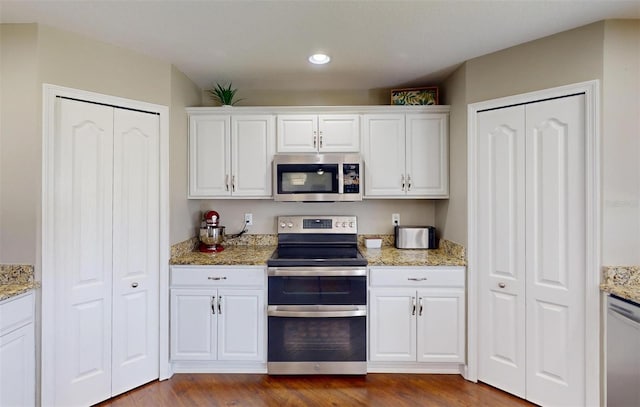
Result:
[[441, 325], [252, 143], [17, 370], [241, 322], [427, 165], [297, 133], [384, 155], [193, 324], [392, 325], [339, 133], [209, 159]]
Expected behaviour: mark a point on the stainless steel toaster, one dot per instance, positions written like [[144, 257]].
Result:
[[415, 237]]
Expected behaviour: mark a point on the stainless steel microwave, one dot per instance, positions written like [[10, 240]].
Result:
[[317, 177]]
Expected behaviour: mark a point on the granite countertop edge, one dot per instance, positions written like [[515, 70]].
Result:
[[8, 291], [623, 281], [258, 256]]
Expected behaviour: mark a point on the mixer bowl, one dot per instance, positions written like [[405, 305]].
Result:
[[212, 235]]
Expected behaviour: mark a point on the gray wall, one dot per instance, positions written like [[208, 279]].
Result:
[[621, 143]]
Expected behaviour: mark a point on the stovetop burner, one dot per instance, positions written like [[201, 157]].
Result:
[[276, 261]]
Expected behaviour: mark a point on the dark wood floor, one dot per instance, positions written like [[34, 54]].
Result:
[[255, 390]]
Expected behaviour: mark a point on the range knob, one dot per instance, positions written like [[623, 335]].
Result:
[[289, 225], [344, 224], [350, 224], [283, 225]]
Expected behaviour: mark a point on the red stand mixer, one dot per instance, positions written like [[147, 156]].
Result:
[[211, 233]]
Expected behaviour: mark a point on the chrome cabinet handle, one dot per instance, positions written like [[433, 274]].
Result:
[[502, 285], [315, 139], [408, 182], [413, 311], [216, 278], [320, 139], [233, 183], [226, 182], [420, 311], [417, 278], [402, 179], [220, 305], [213, 305], [134, 284]]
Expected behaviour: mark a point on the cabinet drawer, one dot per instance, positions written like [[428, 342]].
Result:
[[16, 312], [417, 276], [202, 276]]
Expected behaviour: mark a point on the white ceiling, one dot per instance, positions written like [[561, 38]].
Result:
[[265, 44]]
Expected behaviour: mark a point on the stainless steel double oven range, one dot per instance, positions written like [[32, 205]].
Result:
[[317, 298]]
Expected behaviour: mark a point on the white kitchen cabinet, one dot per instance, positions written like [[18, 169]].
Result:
[[309, 133], [230, 155], [406, 155], [217, 314], [223, 324], [17, 351], [417, 314]]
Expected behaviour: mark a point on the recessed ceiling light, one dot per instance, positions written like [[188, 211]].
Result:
[[319, 59]]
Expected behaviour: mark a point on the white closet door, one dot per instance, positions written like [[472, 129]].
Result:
[[555, 235], [136, 216], [83, 165], [501, 248]]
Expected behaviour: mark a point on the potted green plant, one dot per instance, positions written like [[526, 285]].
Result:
[[223, 95]]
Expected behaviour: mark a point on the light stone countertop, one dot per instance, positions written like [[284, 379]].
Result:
[[623, 281], [449, 254], [16, 279]]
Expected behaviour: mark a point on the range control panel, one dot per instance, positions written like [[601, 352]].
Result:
[[317, 224]]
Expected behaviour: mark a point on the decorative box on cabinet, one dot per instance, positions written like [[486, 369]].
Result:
[[218, 317], [17, 351], [230, 155], [416, 319], [309, 133], [406, 155]]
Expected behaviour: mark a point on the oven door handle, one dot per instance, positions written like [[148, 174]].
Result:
[[317, 311], [315, 271]]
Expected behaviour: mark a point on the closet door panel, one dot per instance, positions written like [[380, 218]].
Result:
[[136, 213], [501, 248], [555, 227], [83, 166]]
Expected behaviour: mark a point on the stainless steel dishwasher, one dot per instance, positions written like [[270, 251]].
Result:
[[623, 352]]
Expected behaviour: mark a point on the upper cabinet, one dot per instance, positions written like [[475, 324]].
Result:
[[405, 148], [310, 133], [406, 155], [230, 155]]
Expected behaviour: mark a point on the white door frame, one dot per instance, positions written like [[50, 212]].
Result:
[[591, 89], [49, 94]]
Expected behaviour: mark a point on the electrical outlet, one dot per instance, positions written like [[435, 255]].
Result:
[[395, 219], [248, 219]]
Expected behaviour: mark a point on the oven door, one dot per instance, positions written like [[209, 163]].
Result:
[[312, 339], [317, 285]]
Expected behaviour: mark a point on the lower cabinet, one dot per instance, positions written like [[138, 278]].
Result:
[[417, 315], [217, 314], [17, 351]]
